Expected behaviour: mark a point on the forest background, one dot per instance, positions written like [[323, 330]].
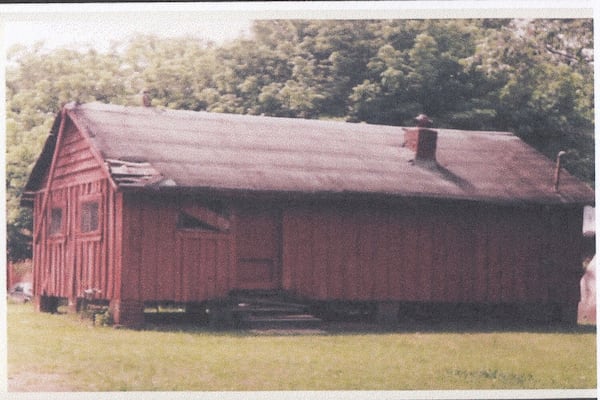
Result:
[[531, 77]]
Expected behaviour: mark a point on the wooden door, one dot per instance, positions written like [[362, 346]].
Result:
[[258, 249]]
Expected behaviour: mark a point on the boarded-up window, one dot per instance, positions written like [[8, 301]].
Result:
[[56, 221], [89, 216]]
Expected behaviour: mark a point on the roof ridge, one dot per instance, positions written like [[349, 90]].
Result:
[[110, 107]]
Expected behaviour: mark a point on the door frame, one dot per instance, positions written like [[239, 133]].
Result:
[[274, 216]]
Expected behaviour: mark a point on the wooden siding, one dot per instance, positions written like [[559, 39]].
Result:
[[70, 262], [258, 245], [164, 263], [433, 253], [204, 260]]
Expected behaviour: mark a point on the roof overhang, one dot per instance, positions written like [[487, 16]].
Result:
[[344, 196]]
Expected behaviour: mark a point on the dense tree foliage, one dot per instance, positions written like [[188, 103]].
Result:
[[532, 77]]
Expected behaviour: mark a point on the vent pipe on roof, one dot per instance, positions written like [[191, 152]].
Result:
[[422, 140], [557, 170]]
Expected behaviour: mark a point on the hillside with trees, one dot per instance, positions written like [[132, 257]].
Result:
[[531, 77]]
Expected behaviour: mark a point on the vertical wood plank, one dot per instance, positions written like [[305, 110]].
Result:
[[105, 232], [222, 267], [380, 261], [166, 255], [370, 254], [352, 260], [321, 242], [522, 255], [425, 265], [150, 245], [507, 259], [397, 261], [288, 254], [110, 243], [410, 255], [303, 273], [132, 248], [335, 286], [480, 260], [213, 262], [118, 257]]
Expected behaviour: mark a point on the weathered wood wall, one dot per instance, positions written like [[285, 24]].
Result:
[[433, 253], [164, 263], [68, 263]]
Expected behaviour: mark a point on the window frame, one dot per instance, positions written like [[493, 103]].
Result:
[[61, 232], [95, 234]]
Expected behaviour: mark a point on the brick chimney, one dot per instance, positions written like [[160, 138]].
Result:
[[422, 140]]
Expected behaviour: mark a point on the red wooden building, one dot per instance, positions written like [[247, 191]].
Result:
[[138, 205]]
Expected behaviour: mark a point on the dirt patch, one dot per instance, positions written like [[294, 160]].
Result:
[[37, 382]]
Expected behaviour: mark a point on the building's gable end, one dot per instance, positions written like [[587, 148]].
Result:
[[75, 160], [74, 207], [76, 157], [68, 160]]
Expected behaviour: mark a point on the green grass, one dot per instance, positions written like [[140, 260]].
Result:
[[63, 352]]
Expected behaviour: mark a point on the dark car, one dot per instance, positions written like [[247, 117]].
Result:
[[21, 292]]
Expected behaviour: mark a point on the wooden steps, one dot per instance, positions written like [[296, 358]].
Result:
[[268, 310]]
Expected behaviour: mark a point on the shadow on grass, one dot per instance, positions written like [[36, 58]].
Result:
[[456, 326], [182, 322]]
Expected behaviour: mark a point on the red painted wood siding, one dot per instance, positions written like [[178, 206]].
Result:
[[258, 246], [204, 260], [67, 264], [433, 253], [162, 263]]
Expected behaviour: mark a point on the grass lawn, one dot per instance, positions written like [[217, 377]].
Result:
[[63, 353]]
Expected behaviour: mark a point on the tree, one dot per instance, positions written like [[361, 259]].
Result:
[[420, 66], [38, 83], [546, 67]]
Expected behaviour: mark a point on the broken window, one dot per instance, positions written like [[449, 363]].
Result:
[[186, 221], [202, 218], [56, 221], [89, 216]]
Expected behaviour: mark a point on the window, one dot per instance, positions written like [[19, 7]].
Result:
[[89, 216], [200, 217], [186, 221], [56, 221]]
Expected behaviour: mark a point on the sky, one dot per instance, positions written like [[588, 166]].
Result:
[[99, 30], [99, 24]]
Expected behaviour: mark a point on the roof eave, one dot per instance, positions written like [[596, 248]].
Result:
[[348, 195], [43, 162]]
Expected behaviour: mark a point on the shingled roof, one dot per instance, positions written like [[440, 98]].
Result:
[[150, 148]]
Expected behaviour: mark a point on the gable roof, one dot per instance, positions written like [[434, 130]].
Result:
[[149, 148]]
